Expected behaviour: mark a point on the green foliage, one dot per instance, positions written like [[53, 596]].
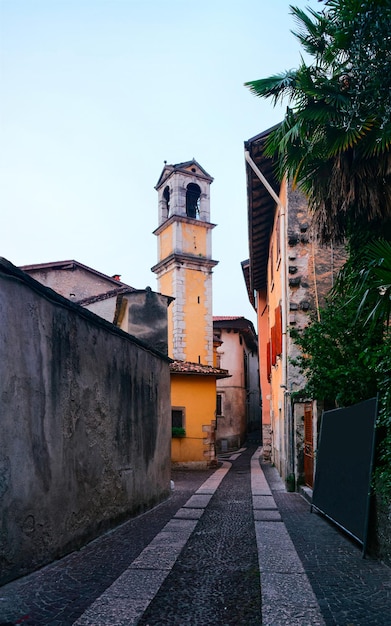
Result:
[[346, 356], [335, 139], [335, 144], [338, 356], [178, 431], [383, 463], [374, 285]]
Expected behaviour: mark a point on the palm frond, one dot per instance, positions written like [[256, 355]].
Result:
[[276, 87]]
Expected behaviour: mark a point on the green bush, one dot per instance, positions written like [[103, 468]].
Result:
[[178, 431]]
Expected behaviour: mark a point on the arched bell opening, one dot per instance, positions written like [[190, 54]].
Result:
[[193, 195]]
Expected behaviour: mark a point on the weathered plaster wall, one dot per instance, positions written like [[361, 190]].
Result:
[[147, 317], [104, 308], [196, 311], [85, 425], [231, 425], [75, 282]]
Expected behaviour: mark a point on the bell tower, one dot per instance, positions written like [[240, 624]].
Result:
[[184, 267]]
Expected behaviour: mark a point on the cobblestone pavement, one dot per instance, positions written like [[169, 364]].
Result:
[[59, 593], [216, 578], [350, 590], [228, 547]]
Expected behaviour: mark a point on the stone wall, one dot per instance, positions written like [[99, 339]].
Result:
[[85, 425]]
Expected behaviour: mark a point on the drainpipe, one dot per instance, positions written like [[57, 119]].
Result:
[[284, 316]]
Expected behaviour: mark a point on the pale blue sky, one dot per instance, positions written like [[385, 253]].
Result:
[[96, 94]]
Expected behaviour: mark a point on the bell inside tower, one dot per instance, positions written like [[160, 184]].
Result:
[[166, 200], [193, 195]]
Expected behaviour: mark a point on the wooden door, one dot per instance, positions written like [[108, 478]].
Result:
[[308, 445]]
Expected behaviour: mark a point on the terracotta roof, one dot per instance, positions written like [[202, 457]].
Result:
[[222, 318], [8, 269], [239, 324], [186, 367], [105, 295], [72, 265]]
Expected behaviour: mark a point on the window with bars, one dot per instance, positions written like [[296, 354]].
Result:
[[219, 405]]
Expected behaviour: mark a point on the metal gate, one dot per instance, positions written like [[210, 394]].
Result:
[[308, 445]]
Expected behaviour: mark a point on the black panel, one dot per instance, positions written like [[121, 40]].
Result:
[[344, 466]]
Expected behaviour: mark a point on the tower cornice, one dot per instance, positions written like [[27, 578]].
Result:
[[188, 261], [184, 220]]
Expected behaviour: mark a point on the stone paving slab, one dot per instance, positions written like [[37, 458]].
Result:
[[287, 596], [126, 600], [198, 501], [155, 559], [278, 559], [264, 502], [291, 589], [273, 615], [261, 491], [163, 551], [212, 483], [273, 534], [189, 513], [264, 515], [176, 527]]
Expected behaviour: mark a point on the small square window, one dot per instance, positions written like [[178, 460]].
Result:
[[178, 418]]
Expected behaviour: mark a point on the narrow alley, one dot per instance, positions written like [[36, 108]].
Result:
[[230, 546]]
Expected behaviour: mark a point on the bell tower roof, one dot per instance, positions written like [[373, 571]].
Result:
[[191, 168]]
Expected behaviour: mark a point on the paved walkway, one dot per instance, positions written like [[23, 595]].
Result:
[[230, 546]]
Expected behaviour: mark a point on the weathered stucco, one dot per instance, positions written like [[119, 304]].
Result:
[[240, 393], [147, 317], [85, 425]]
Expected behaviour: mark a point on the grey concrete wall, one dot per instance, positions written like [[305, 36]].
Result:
[[85, 425]]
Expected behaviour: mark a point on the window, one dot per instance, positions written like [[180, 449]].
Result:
[[278, 237], [276, 336], [245, 369], [219, 405], [166, 198], [178, 417], [193, 194], [271, 261]]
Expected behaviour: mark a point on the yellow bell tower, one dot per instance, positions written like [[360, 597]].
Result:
[[184, 268]]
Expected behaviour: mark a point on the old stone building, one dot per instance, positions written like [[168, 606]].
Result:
[[238, 397], [288, 275], [139, 312]]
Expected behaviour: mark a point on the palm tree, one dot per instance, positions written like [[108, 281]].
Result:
[[374, 284], [335, 139]]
